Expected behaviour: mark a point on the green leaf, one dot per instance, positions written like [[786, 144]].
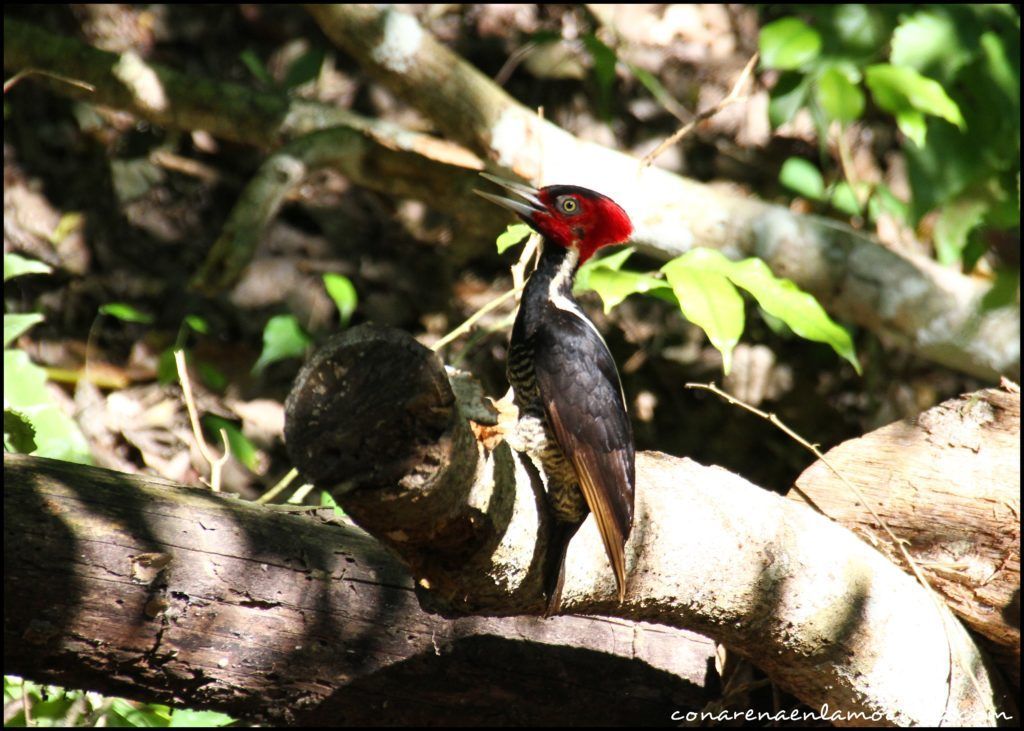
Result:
[[839, 97], [843, 198], [928, 41], [16, 266], [799, 310], [19, 435], [126, 312], [912, 123], [788, 43], [68, 224], [953, 226], [15, 325], [183, 718], [803, 178], [899, 89], [514, 234], [859, 29], [787, 97], [343, 292], [198, 324], [211, 376], [57, 434], [884, 200], [305, 68], [328, 501], [614, 286], [282, 338], [256, 67], [241, 448], [612, 261], [708, 300], [166, 367]]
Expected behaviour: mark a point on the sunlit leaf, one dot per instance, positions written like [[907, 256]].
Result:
[[614, 286], [788, 43], [514, 234], [67, 224], [803, 178], [15, 325], [16, 266], [57, 435], [839, 97], [787, 97], [928, 41], [328, 501], [899, 89], [843, 198], [954, 224], [612, 261], [799, 310], [126, 312], [912, 123], [282, 338], [343, 292], [708, 300], [198, 324]]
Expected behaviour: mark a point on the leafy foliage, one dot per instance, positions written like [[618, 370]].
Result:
[[33, 421], [705, 285], [948, 75], [50, 705], [283, 337]]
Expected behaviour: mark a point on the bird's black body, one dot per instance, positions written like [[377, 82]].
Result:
[[563, 376]]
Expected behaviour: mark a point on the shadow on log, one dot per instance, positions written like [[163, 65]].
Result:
[[135, 586]]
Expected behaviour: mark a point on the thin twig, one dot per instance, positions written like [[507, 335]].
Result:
[[731, 97], [279, 487], [216, 463], [24, 73], [472, 319], [299, 495]]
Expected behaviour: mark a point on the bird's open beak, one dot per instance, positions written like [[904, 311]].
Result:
[[526, 210]]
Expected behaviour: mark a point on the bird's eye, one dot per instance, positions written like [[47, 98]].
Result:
[[569, 205]]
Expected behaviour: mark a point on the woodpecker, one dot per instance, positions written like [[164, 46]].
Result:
[[572, 409]]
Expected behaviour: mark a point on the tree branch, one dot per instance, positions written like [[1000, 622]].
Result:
[[134, 586], [949, 482], [372, 418]]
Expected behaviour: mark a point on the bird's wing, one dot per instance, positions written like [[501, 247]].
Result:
[[583, 399]]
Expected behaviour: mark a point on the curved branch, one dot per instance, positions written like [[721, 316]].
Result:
[[372, 417]]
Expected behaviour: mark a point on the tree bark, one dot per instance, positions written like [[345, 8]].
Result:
[[913, 302], [372, 418], [134, 586], [947, 482]]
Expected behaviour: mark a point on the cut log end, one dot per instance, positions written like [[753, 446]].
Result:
[[369, 408]]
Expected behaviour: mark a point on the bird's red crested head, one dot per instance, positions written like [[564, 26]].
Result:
[[580, 218], [567, 215]]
